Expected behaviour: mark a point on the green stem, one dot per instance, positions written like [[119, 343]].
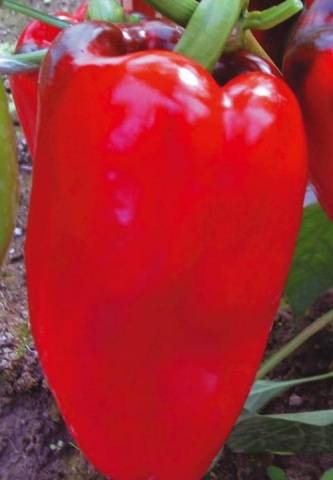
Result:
[[316, 378], [106, 10], [33, 13], [272, 16], [208, 30], [133, 18], [294, 344], [180, 11], [251, 44], [11, 64]]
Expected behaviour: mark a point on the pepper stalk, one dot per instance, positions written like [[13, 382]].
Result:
[[34, 13], [209, 26], [209, 29]]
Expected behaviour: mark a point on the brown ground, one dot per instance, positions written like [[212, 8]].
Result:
[[34, 442]]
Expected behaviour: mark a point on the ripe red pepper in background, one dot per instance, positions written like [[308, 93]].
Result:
[[158, 189], [320, 15], [308, 67]]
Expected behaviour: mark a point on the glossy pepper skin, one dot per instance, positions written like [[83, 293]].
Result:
[[149, 34], [161, 229], [318, 14], [8, 175], [24, 86], [146, 35], [308, 67]]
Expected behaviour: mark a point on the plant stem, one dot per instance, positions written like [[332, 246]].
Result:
[[208, 30], [33, 13], [106, 11], [133, 18], [21, 62], [251, 44], [294, 344], [180, 11], [316, 378], [272, 16]]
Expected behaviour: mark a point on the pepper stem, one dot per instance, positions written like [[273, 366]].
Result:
[[106, 10], [294, 344], [33, 13], [251, 44], [178, 11], [208, 30], [272, 16], [21, 62]]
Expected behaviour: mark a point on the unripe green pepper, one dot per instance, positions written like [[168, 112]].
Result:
[[8, 175]]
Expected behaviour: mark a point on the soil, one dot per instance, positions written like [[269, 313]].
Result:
[[34, 441]]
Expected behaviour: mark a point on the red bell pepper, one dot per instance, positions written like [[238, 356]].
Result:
[[308, 66], [148, 34], [317, 15], [162, 224], [36, 35], [153, 34]]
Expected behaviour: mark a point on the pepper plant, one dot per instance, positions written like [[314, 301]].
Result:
[[160, 185]]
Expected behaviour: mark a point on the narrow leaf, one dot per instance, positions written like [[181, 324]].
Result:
[[306, 433], [263, 391]]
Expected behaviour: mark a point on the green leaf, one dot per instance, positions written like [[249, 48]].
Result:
[[312, 268], [276, 473], [305, 433], [328, 475], [8, 175], [263, 391]]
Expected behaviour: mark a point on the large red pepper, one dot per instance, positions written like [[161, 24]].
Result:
[[24, 86], [161, 229], [150, 34], [319, 14], [308, 67]]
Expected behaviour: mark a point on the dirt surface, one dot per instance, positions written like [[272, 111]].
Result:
[[34, 442]]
